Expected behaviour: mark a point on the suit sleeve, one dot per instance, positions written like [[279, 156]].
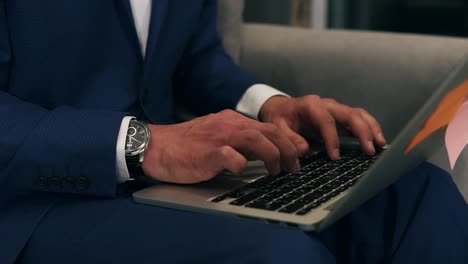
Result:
[[62, 150], [208, 80]]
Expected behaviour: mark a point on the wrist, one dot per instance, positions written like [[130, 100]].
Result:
[[138, 136], [270, 105], [152, 158]]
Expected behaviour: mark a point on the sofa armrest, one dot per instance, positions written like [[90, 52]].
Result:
[[390, 75]]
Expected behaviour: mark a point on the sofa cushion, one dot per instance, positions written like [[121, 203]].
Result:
[[229, 25]]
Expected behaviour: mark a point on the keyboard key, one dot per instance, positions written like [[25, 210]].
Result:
[[366, 165], [348, 176], [218, 199], [295, 195], [270, 196], [307, 209], [328, 188], [272, 206], [331, 176], [342, 170], [342, 188], [259, 203], [334, 193], [341, 180], [313, 196], [266, 189], [299, 192], [332, 185], [321, 171], [284, 189], [234, 194], [305, 160], [363, 157], [287, 198], [276, 194], [360, 170], [313, 166], [282, 202], [305, 200], [354, 162], [307, 169], [294, 185], [291, 208], [318, 178], [306, 188], [324, 199], [247, 198], [320, 181]]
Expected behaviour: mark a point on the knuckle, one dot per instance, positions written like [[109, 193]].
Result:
[[356, 112], [210, 116], [360, 110], [329, 101], [244, 124], [328, 121], [252, 136], [225, 125], [312, 97], [225, 151], [228, 113], [271, 129]]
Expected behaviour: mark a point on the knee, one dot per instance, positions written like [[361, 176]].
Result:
[[279, 245]]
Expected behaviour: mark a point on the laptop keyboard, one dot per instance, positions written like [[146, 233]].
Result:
[[318, 181]]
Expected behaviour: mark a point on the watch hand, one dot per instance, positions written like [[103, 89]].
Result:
[[137, 140]]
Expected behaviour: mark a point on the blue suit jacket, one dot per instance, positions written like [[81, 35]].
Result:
[[70, 70]]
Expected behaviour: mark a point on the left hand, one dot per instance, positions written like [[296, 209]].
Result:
[[311, 117]]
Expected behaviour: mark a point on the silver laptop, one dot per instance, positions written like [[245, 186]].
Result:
[[321, 193]]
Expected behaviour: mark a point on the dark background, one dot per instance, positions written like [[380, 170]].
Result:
[[439, 17]]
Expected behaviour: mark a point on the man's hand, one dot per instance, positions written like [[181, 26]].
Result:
[[198, 150], [314, 118]]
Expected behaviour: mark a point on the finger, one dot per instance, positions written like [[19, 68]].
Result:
[[302, 145], [288, 151], [352, 118], [325, 123], [253, 145], [375, 128], [224, 158]]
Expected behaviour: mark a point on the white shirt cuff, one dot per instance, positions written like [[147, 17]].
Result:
[[253, 99], [122, 171]]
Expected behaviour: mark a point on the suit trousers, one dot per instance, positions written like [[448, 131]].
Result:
[[421, 218]]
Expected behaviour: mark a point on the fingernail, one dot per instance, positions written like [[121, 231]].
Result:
[[382, 138], [297, 167], [336, 154], [371, 147]]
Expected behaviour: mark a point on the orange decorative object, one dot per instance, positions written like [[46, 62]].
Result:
[[443, 114]]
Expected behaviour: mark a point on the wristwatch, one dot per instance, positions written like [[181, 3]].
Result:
[[138, 136]]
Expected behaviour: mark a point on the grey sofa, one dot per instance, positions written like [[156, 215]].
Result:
[[390, 75]]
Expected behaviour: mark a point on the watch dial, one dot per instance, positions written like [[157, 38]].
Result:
[[136, 137]]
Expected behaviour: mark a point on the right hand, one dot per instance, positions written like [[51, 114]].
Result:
[[200, 149]]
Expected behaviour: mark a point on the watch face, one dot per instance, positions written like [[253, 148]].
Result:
[[137, 137]]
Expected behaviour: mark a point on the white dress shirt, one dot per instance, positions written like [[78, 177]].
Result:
[[249, 104]]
